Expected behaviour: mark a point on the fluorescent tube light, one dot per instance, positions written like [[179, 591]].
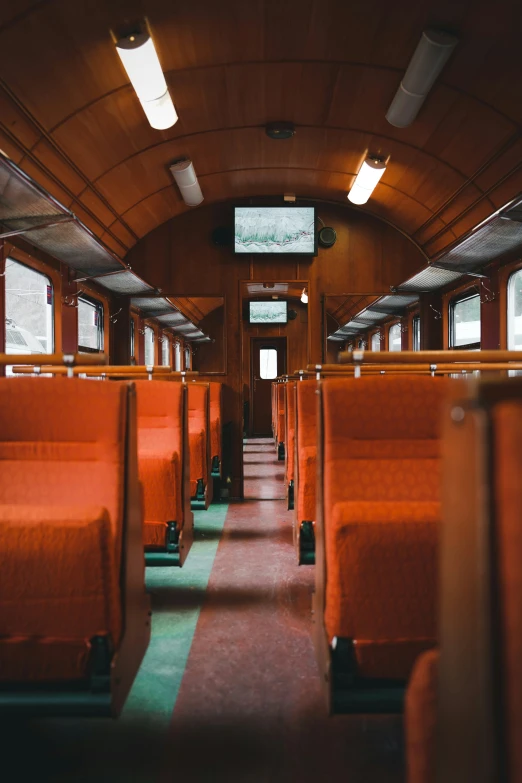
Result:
[[140, 60], [187, 182], [366, 180], [429, 58], [304, 296]]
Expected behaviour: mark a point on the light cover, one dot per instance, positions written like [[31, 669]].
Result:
[[304, 296], [366, 180], [187, 182], [429, 58], [140, 60]]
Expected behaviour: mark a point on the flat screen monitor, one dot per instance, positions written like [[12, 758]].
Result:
[[268, 312], [277, 230]]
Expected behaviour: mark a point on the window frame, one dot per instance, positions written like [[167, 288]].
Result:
[[509, 278], [416, 331], [99, 305], [165, 340], [377, 335], [153, 331], [470, 293]]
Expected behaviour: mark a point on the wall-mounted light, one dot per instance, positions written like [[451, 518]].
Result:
[[366, 180], [304, 296], [429, 58], [187, 182], [140, 60]]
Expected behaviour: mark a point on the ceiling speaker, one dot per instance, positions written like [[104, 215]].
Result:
[[292, 315], [222, 235], [327, 236]]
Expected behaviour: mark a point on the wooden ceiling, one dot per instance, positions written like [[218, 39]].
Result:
[[70, 118]]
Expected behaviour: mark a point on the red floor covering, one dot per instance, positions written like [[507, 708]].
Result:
[[263, 474], [250, 706]]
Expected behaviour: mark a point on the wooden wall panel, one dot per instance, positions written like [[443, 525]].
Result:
[[180, 258]]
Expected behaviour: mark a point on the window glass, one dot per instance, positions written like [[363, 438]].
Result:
[[188, 359], [149, 346], [514, 313], [416, 333], [267, 363], [395, 338], [29, 310], [90, 325], [177, 356], [132, 338], [376, 341], [165, 351], [465, 322]]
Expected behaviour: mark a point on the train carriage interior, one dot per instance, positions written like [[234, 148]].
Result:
[[260, 391]]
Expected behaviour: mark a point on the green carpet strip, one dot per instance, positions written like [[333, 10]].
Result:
[[177, 595]]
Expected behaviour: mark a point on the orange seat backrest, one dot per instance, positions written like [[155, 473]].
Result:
[[306, 448], [64, 442], [290, 430], [160, 427], [281, 412], [198, 427], [215, 418], [382, 435]]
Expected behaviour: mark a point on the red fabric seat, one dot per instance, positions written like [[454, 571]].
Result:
[[381, 485], [290, 430], [306, 450], [62, 482], [215, 420], [160, 457], [199, 439], [421, 719]]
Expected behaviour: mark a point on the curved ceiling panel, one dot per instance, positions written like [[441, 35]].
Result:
[[69, 117]]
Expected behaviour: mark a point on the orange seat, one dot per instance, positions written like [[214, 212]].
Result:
[[72, 599], [280, 434], [163, 469], [471, 697], [199, 444], [290, 440], [381, 513], [216, 392], [305, 469]]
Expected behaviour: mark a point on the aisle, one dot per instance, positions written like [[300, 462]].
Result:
[[249, 706]]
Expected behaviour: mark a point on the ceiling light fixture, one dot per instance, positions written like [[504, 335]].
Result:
[[366, 180], [304, 296], [140, 60], [429, 58], [187, 182]]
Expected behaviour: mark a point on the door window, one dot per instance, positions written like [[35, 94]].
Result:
[[267, 363]]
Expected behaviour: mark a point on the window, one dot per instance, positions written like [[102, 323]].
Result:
[[132, 339], [188, 359], [29, 310], [464, 322], [395, 338], [90, 325], [376, 341], [514, 311], [267, 363], [416, 333], [165, 351], [149, 346], [177, 357]]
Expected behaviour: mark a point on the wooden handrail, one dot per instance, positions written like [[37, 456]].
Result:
[[115, 370], [424, 357], [53, 359]]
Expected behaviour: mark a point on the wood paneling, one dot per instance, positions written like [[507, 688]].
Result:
[[180, 258], [70, 117]]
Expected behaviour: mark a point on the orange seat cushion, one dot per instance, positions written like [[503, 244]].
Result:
[[290, 431], [306, 448], [382, 563], [306, 487], [59, 587], [421, 719]]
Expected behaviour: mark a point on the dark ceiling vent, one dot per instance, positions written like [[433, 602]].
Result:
[[280, 130]]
